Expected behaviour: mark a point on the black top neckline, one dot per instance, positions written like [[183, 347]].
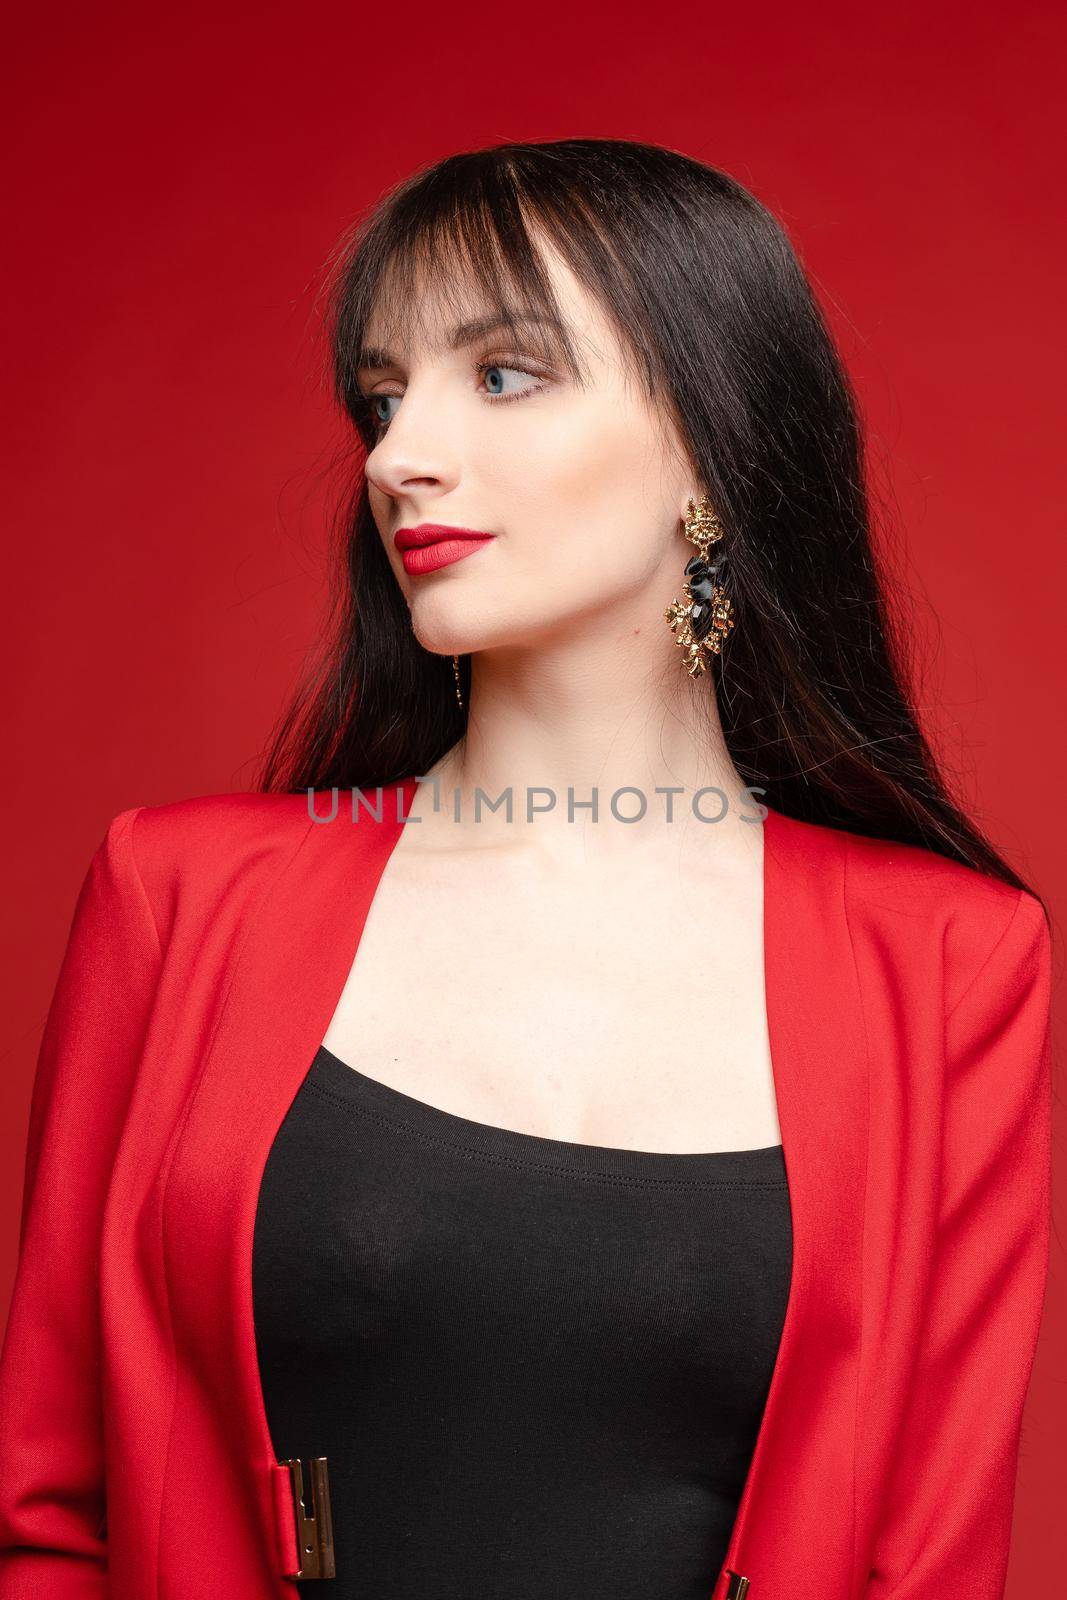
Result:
[[356, 1091]]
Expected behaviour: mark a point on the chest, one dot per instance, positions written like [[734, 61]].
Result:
[[625, 1012]]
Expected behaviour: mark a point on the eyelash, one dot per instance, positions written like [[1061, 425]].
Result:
[[479, 367]]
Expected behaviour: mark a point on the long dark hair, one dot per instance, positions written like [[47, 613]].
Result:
[[712, 305]]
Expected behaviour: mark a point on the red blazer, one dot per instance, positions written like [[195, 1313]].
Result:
[[908, 1012]]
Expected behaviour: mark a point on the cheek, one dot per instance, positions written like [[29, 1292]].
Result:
[[594, 485]]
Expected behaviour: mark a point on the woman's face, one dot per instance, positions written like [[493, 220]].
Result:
[[581, 487]]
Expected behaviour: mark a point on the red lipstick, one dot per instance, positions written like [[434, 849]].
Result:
[[436, 544]]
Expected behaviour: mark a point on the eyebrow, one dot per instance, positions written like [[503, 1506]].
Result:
[[460, 336]]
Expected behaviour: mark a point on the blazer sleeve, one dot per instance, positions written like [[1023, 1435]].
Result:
[[946, 1523], [53, 1540]]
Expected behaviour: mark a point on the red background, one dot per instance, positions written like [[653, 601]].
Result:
[[176, 180]]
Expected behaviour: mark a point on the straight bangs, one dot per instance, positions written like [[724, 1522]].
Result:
[[473, 235]]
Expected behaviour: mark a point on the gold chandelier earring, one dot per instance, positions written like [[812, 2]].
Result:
[[701, 622], [455, 674]]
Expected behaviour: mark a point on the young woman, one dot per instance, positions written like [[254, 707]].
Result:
[[581, 1127]]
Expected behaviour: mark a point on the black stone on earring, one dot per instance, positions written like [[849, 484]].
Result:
[[700, 619], [702, 579]]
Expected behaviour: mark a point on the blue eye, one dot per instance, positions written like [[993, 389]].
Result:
[[500, 385], [494, 378], [376, 400]]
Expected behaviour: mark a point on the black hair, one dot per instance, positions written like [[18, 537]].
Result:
[[714, 309]]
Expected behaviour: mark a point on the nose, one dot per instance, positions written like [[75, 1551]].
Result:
[[415, 452]]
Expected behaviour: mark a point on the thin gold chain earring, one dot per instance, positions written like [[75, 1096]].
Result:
[[455, 673], [701, 622]]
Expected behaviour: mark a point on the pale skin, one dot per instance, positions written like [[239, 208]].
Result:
[[596, 982]]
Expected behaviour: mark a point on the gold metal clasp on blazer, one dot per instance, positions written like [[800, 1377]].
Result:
[[314, 1524], [738, 1586]]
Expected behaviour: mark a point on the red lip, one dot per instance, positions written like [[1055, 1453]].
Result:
[[431, 532], [435, 544]]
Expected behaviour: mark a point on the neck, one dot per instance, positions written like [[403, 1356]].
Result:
[[567, 719]]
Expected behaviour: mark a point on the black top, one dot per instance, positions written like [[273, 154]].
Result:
[[537, 1369]]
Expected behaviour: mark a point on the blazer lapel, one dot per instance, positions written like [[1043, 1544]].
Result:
[[793, 1534], [284, 988], [289, 975]]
